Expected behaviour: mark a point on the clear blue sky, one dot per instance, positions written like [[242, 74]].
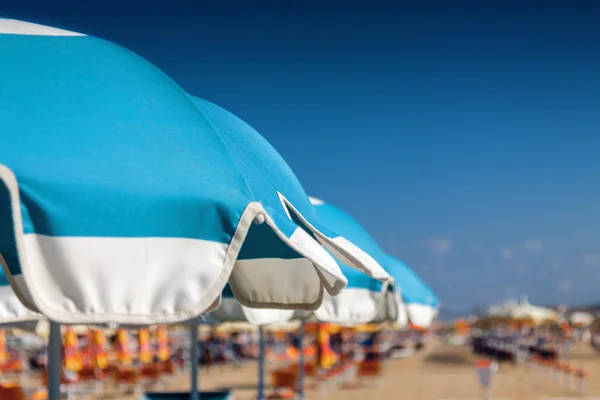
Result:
[[465, 137]]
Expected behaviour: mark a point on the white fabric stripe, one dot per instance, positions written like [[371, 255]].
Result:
[[12, 310], [257, 316], [353, 306], [114, 282], [232, 311], [402, 317], [402, 320], [120, 286], [421, 315], [14, 27], [388, 308], [350, 308]]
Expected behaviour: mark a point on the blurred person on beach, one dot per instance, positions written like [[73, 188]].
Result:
[[237, 345], [38, 359], [370, 346]]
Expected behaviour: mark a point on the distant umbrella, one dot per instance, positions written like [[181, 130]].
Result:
[[421, 303], [366, 299]]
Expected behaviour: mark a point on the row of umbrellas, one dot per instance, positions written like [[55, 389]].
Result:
[[124, 200], [364, 300]]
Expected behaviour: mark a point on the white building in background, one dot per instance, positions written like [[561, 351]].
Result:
[[522, 310]]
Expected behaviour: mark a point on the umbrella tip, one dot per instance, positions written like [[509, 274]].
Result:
[[259, 219]]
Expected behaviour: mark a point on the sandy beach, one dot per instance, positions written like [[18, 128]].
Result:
[[440, 372]]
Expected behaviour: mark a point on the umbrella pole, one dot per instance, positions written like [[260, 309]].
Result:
[[261, 364], [194, 394], [301, 362], [54, 361], [319, 349]]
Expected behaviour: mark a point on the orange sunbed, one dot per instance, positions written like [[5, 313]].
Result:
[[12, 391]]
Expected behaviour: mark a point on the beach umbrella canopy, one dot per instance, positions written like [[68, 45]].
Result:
[[124, 200], [364, 300], [420, 302]]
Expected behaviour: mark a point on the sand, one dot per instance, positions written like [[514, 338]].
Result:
[[440, 372]]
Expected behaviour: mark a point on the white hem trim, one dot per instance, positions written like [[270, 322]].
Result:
[[232, 311], [12, 310]]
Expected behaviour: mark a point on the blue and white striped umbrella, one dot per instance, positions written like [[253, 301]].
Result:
[[421, 303], [123, 200], [364, 300]]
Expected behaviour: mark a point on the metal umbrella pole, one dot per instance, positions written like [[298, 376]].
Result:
[[194, 393], [54, 353], [300, 393], [261, 364]]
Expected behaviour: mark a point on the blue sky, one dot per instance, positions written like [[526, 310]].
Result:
[[465, 138]]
